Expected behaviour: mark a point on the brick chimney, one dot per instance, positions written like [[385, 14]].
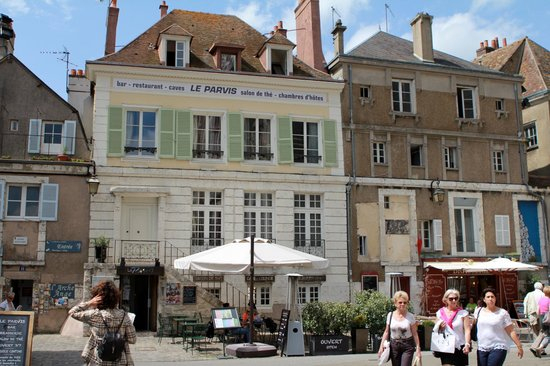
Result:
[[279, 28], [7, 36], [163, 9], [422, 37], [338, 38], [308, 34], [112, 20], [484, 47]]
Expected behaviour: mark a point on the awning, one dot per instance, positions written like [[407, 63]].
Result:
[[450, 266], [494, 265]]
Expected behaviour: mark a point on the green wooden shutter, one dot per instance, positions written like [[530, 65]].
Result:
[[35, 129], [115, 133], [330, 144], [167, 127], [286, 155], [69, 137], [49, 194], [235, 140], [184, 134]]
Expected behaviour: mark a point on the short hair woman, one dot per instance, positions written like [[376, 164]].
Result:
[[456, 320]]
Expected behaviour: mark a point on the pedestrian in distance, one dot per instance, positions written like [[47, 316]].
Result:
[[542, 340], [7, 304], [98, 312], [456, 320], [531, 307], [494, 328], [402, 331]]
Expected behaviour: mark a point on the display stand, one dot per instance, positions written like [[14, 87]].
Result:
[[225, 319]]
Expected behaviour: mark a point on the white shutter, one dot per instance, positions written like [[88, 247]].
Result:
[[437, 226], [34, 136], [69, 137], [48, 202], [2, 185], [502, 230]]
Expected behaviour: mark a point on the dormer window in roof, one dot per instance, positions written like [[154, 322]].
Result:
[[174, 44], [227, 57], [276, 55]]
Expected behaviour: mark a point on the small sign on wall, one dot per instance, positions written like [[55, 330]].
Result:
[[173, 293], [67, 246]]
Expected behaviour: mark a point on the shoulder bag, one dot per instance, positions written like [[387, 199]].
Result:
[[473, 331], [385, 356], [443, 341]]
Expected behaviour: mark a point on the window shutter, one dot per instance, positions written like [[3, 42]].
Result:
[[34, 136], [437, 226], [183, 135], [48, 202], [330, 143], [166, 133], [286, 155], [2, 185], [69, 137], [235, 141], [502, 230], [115, 135]]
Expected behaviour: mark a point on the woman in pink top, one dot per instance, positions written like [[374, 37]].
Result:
[[542, 340]]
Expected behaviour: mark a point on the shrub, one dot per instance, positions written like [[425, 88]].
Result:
[[326, 318], [374, 307]]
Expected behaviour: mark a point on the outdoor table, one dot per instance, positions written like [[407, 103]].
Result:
[[193, 332]]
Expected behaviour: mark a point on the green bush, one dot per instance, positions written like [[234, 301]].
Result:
[[374, 307], [326, 318]]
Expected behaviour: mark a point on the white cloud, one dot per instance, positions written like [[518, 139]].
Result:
[[490, 4], [14, 7], [255, 14]]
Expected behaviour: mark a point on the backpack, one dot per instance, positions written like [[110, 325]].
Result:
[[112, 344]]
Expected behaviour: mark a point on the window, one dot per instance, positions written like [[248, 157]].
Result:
[[530, 131], [31, 201], [175, 53], [307, 220], [369, 282], [14, 125], [362, 245], [215, 291], [451, 157], [499, 105], [364, 92], [51, 137], [279, 62], [258, 215], [379, 152], [263, 295], [206, 220], [305, 140], [386, 202], [502, 230], [257, 139], [140, 133], [228, 62], [416, 155], [402, 96], [466, 102], [308, 294], [498, 161], [207, 139], [465, 215], [431, 235]]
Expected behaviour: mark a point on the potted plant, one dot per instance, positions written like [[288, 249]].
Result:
[[359, 334], [101, 244], [63, 155], [374, 306], [326, 323], [428, 326]]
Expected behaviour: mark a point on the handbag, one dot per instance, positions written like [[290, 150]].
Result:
[[442, 341], [385, 355], [473, 331]]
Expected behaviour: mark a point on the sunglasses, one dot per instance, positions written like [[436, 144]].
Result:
[[452, 298], [403, 302]]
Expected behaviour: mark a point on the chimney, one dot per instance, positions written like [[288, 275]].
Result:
[[112, 20], [279, 28], [504, 43], [7, 36], [308, 34], [338, 38], [496, 43], [484, 48], [163, 9], [422, 37]]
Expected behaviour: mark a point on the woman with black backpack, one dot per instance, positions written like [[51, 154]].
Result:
[[111, 328]]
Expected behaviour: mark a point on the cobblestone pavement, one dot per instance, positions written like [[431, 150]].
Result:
[[57, 350]]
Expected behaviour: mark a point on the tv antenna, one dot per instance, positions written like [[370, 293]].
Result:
[[332, 14], [66, 59], [387, 8]]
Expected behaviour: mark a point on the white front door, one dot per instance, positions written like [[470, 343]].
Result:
[[139, 219]]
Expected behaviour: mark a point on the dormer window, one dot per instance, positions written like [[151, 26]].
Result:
[[174, 45], [227, 56], [276, 55], [175, 51], [279, 62]]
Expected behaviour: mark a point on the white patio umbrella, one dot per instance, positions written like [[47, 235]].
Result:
[[503, 265], [234, 257]]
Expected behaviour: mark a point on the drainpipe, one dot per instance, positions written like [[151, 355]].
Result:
[[351, 125], [348, 229], [352, 181]]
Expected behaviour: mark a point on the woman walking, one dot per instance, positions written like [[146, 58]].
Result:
[[456, 320], [494, 327], [103, 309], [401, 330], [543, 337]]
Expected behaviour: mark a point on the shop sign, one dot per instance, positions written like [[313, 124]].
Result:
[[66, 246], [140, 270]]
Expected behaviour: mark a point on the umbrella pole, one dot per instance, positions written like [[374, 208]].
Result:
[[251, 300]]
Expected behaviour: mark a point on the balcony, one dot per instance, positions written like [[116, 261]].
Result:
[[201, 244], [311, 246]]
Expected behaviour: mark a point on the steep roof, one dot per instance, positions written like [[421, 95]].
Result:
[[524, 57], [386, 47], [205, 30]]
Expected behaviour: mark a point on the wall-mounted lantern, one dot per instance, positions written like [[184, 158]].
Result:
[[438, 194], [93, 181]]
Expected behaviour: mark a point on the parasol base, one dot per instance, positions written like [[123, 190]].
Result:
[[248, 350]]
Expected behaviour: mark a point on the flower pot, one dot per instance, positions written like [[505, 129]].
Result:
[[63, 157], [100, 254], [359, 340]]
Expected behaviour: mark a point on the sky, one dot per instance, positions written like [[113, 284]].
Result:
[[46, 30]]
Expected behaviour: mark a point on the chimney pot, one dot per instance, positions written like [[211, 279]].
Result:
[[496, 41], [280, 24], [504, 43], [481, 44], [163, 9], [113, 4], [279, 28], [494, 44], [486, 43], [80, 72], [73, 72], [112, 20]]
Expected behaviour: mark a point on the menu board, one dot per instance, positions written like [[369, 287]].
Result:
[[283, 330], [435, 287], [225, 318], [189, 294], [16, 337], [510, 288]]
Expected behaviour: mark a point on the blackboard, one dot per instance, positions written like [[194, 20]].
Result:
[[189, 294], [283, 330], [16, 337]]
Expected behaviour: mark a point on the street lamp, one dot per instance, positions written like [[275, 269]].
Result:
[[92, 180], [438, 194]]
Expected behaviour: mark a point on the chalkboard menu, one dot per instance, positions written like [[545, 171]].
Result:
[[283, 330], [16, 337], [435, 285], [189, 294]]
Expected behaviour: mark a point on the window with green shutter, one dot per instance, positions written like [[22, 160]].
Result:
[[167, 135], [235, 134], [184, 134], [284, 131], [114, 136], [330, 143]]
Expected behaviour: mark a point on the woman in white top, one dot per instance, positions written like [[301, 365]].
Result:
[[494, 328], [403, 329], [457, 321]]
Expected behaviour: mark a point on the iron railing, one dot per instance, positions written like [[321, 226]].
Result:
[[311, 246]]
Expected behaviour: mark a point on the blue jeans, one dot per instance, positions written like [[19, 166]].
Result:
[[493, 357]]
